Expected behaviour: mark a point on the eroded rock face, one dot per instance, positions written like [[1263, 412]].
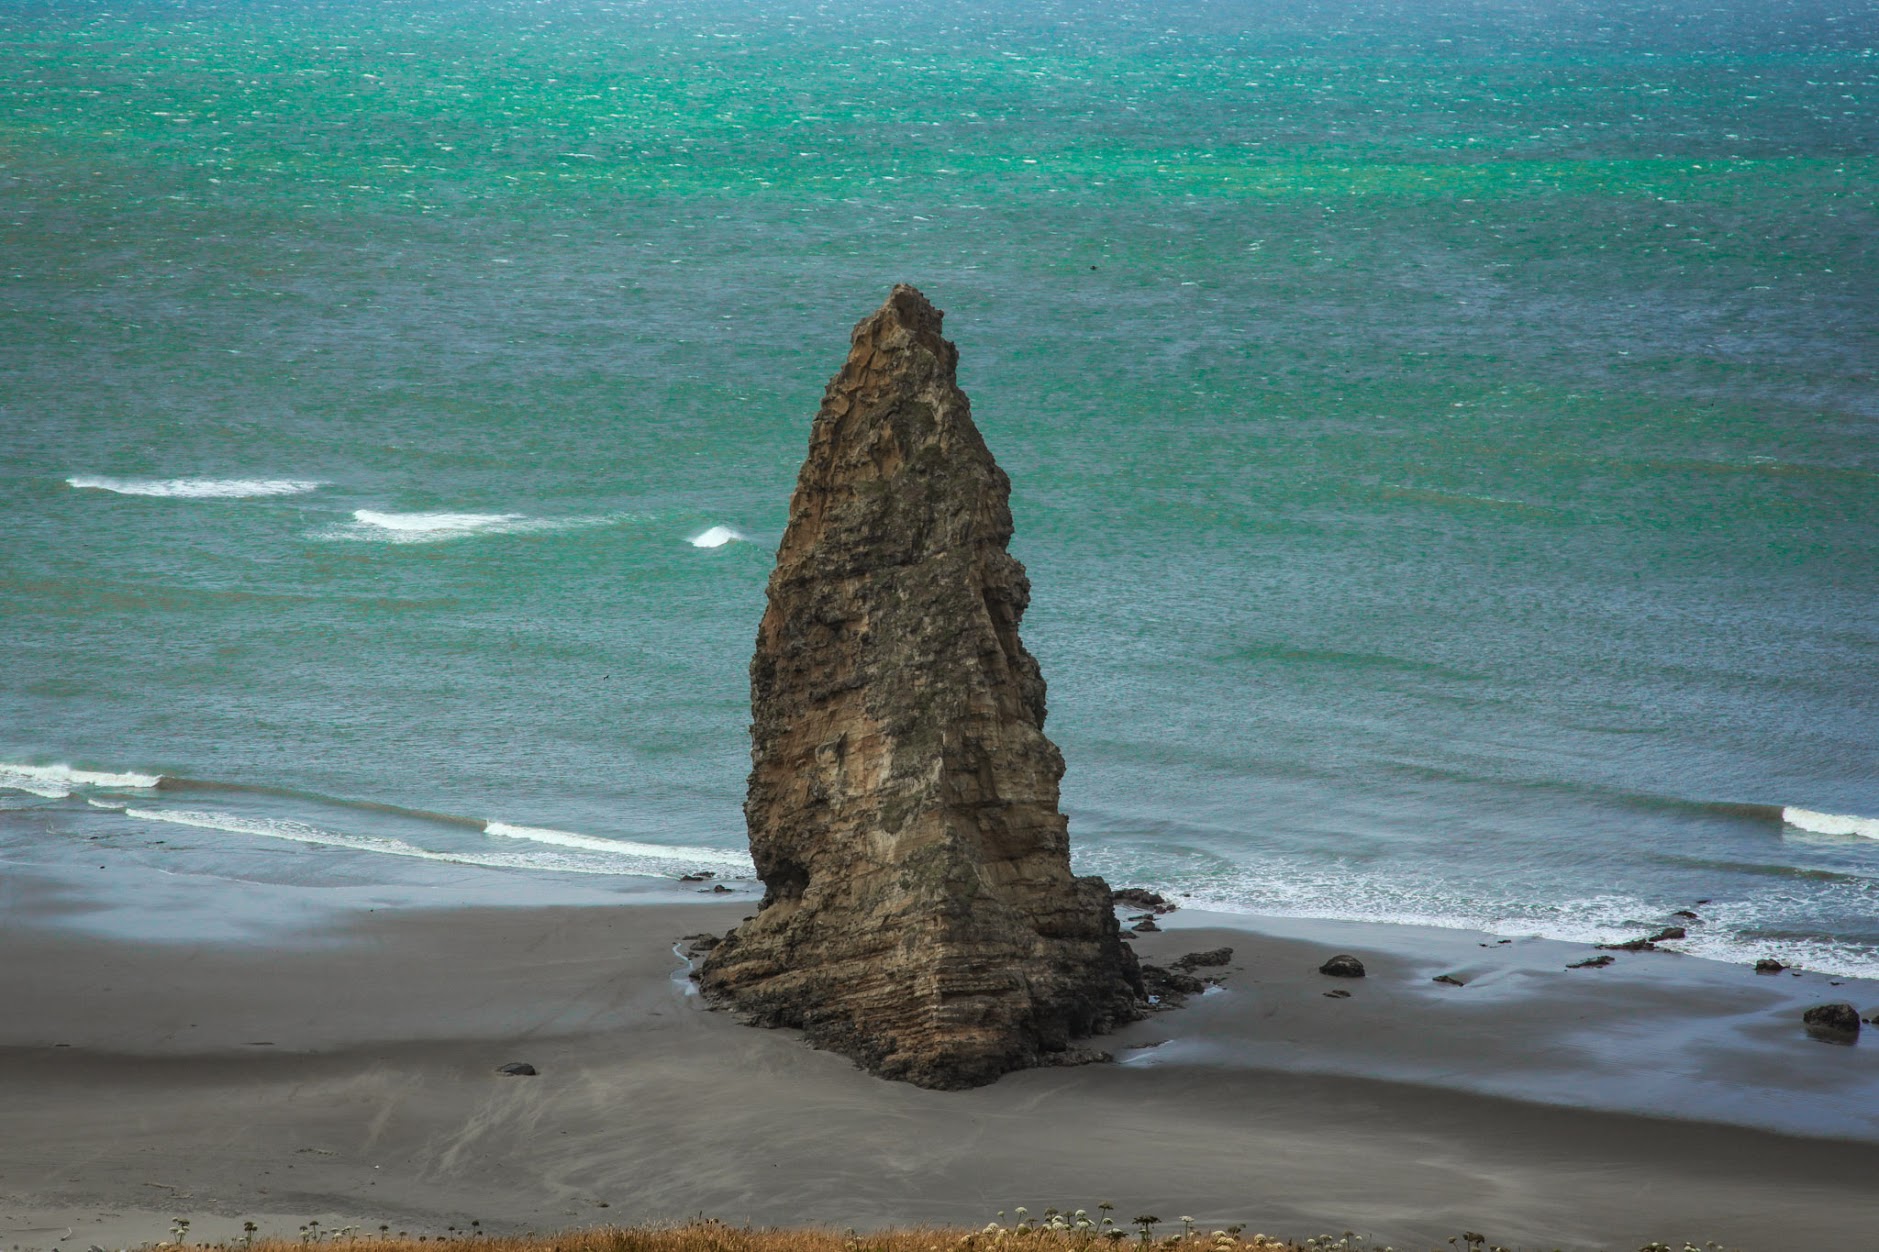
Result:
[[920, 915]]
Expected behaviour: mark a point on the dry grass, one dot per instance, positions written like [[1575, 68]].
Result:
[[1065, 1232], [714, 1236]]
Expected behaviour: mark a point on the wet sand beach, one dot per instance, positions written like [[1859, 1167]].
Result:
[[347, 1073]]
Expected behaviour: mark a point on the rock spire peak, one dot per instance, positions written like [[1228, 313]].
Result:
[[920, 915]]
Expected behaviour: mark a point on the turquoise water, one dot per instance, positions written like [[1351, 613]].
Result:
[[1444, 437]]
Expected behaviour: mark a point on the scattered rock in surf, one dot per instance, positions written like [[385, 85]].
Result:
[[1343, 965], [1145, 926], [1139, 898], [703, 875], [1872, 1018], [1448, 980], [1768, 965], [1204, 960], [1832, 1023], [518, 1069], [1339, 994], [1686, 915], [1669, 932], [716, 889], [1593, 962], [1631, 945]]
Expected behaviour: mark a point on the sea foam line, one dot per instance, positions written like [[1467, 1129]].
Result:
[[1831, 823], [55, 782], [303, 832], [624, 847], [277, 828], [646, 860], [196, 488]]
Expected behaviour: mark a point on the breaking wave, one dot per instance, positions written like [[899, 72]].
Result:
[[717, 537], [197, 488], [55, 782], [1831, 823]]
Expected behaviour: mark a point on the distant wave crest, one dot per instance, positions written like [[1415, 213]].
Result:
[[55, 782], [717, 537], [1831, 823], [375, 526], [197, 488]]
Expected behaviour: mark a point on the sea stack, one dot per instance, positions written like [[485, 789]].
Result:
[[920, 914]]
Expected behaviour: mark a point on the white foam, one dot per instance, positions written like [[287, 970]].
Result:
[[278, 828], [653, 860], [1831, 823], [1337, 894], [55, 782], [374, 526], [717, 537], [197, 488], [667, 853]]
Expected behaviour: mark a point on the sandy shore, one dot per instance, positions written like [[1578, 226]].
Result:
[[349, 1075]]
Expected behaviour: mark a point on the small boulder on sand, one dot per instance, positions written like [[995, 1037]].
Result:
[[1833, 1023]]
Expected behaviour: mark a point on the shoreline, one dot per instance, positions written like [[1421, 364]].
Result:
[[346, 1072]]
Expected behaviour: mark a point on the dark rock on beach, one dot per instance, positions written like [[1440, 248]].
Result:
[[1768, 965], [1593, 962], [1343, 965], [1136, 897], [1835, 1023], [1449, 979], [919, 912], [1631, 945], [1339, 994], [517, 1069], [1668, 933], [1145, 926], [1204, 960], [1168, 988]]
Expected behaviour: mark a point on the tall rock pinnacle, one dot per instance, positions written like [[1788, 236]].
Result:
[[920, 915]]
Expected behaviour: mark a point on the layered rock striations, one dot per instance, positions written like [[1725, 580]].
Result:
[[920, 914]]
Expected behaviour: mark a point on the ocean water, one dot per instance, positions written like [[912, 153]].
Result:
[[1444, 435]]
